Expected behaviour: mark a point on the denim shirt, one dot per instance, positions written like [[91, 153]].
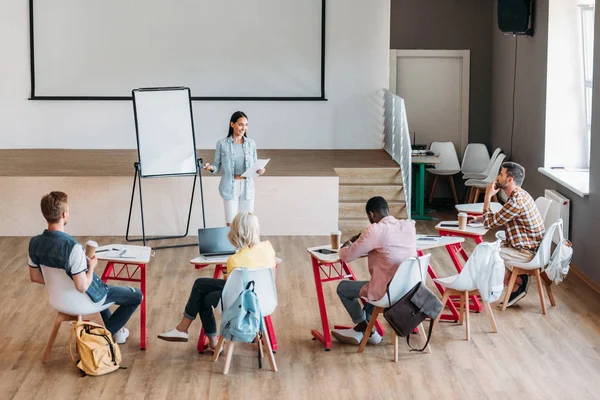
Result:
[[53, 249], [225, 160]]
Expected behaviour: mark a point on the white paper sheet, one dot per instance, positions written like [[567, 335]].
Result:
[[258, 164]]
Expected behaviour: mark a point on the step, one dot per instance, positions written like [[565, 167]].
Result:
[[357, 210], [362, 193], [352, 226], [388, 176]]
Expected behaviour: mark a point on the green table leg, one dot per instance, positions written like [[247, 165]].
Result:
[[419, 194]]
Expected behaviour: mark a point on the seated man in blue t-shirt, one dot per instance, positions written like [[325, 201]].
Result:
[[56, 249]]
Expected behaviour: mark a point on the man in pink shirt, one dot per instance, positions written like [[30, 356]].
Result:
[[388, 242]]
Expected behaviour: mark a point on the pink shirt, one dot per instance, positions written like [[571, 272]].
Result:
[[388, 243]]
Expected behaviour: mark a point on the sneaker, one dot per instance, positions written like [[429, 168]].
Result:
[[121, 336], [375, 338], [349, 336], [520, 292], [174, 336]]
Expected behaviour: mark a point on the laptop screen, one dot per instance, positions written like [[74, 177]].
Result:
[[214, 241]]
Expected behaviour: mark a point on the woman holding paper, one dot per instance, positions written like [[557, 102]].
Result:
[[235, 155]]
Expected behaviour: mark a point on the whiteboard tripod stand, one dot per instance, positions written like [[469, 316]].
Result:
[[138, 177]]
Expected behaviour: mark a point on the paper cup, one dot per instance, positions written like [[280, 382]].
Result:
[[462, 221], [336, 237], [90, 248]]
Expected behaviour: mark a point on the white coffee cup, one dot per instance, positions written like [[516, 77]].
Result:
[[90, 248], [336, 237], [462, 221]]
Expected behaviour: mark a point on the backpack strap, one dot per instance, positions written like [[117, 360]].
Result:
[[431, 321], [73, 329]]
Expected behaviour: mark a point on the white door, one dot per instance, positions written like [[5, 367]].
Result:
[[435, 87]]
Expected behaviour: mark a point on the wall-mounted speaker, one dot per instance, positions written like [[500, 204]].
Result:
[[516, 16]]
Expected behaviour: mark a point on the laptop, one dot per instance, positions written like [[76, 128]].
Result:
[[213, 242]]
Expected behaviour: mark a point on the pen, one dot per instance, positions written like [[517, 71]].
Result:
[[100, 251]]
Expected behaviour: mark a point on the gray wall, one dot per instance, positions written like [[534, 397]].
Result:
[[529, 128], [452, 25]]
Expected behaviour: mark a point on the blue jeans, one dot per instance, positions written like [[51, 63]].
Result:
[[128, 299], [205, 295]]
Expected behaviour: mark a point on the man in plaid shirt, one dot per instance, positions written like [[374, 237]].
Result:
[[521, 218]]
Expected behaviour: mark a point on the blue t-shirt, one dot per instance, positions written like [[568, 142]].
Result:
[[238, 159]]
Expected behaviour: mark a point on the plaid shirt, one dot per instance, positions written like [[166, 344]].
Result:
[[524, 224]]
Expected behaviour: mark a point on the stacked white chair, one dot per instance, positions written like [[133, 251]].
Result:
[[479, 185], [486, 170], [475, 160]]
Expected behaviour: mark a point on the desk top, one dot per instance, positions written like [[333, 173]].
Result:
[[422, 244], [425, 160], [477, 208], [454, 229], [141, 254], [217, 260]]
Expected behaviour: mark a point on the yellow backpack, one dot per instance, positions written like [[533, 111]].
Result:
[[98, 354]]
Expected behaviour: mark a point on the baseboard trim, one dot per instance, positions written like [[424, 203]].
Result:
[[585, 278]]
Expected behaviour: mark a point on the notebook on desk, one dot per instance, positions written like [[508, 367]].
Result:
[[213, 242]]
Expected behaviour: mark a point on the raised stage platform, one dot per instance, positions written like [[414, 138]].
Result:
[[298, 195]]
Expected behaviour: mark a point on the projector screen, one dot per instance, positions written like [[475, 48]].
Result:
[[220, 49]]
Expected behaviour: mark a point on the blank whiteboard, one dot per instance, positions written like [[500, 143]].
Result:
[[217, 48], [165, 131]]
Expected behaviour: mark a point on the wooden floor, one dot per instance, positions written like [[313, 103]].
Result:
[[62, 162], [532, 357]]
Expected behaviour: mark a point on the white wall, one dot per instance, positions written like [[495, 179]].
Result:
[[357, 68], [99, 205]]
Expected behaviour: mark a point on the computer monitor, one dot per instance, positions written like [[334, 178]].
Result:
[[214, 242]]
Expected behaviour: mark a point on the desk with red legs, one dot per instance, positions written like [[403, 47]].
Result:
[[328, 267], [220, 264], [130, 269]]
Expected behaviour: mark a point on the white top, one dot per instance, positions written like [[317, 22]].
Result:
[[218, 260], [477, 208], [454, 229], [123, 253], [423, 243]]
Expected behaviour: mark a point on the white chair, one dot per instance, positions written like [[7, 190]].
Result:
[[479, 185], [407, 276], [68, 301], [266, 291], [535, 267], [464, 285], [543, 205], [476, 159], [448, 165], [486, 171]]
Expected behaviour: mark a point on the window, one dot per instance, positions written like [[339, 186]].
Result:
[[569, 90], [587, 40]]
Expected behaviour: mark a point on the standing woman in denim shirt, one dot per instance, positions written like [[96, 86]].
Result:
[[235, 155]]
